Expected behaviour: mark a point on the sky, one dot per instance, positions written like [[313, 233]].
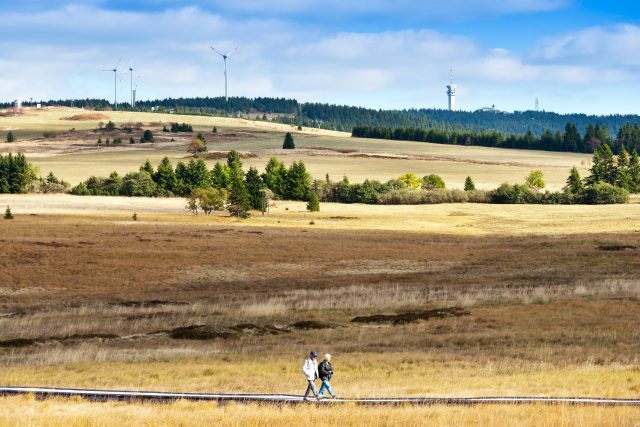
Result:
[[573, 55]]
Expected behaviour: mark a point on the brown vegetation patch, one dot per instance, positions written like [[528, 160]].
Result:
[[86, 117], [344, 217], [413, 316], [142, 304], [202, 332], [18, 343], [312, 324], [614, 248], [208, 332]]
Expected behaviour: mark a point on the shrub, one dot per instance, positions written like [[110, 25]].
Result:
[[80, 190], [110, 125], [410, 180], [11, 137], [138, 184], [412, 197], [432, 182], [602, 193], [535, 180], [132, 141], [208, 199], [510, 194]]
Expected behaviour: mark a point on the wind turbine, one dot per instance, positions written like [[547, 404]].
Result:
[[224, 57], [115, 83], [131, 75]]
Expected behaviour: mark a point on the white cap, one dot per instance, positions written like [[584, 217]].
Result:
[[327, 356]]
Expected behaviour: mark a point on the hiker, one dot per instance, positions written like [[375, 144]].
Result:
[[325, 372], [310, 371]]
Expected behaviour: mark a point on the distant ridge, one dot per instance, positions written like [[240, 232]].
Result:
[[345, 118]]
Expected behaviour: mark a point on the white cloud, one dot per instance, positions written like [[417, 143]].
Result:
[[615, 45], [61, 53]]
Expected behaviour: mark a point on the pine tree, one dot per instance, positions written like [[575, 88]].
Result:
[[574, 182], [220, 175], [255, 188], [469, 185], [8, 214], [634, 173], [297, 182], [623, 177], [288, 143], [314, 204], [148, 168], [239, 201], [274, 176], [165, 177], [571, 139], [603, 168], [11, 137]]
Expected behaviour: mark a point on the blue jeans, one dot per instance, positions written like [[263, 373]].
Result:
[[325, 386]]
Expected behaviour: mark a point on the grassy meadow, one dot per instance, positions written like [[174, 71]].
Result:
[[74, 156], [450, 300]]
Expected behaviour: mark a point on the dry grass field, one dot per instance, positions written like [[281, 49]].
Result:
[[437, 300], [74, 156]]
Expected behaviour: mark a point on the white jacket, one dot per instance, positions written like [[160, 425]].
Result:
[[310, 369]]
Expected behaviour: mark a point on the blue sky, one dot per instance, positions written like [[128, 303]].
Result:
[[574, 56]]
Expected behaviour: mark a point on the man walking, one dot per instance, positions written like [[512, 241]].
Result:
[[310, 371], [325, 372]]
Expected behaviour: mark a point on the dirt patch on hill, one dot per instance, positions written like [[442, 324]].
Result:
[[217, 155], [86, 117], [413, 316]]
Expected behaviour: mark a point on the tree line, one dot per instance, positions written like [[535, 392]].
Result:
[[570, 140], [345, 118], [243, 191]]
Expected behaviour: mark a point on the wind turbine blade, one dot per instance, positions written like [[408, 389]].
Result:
[[217, 51], [116, 67], [231, 51]]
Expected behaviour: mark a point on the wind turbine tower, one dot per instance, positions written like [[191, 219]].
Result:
[[133, 98], [115, 84], [224, 57], [451, 92]]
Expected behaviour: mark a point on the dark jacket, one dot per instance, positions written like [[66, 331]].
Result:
[[325, 370]]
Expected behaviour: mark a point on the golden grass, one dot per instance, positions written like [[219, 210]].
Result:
[[75, 158], [26, 411], [554, 221]]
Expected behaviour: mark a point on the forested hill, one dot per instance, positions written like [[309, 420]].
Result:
[[345, 118]]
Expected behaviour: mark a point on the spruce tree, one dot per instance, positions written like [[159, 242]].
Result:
[[288, 142], [574, 182], [314, 204], [634, 173], [148, 168], [220, 175], [8, 214], [623, 177], [297, 182], [469, 185], [239, 201], [165, 177], [11, 137], [255, 188]]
